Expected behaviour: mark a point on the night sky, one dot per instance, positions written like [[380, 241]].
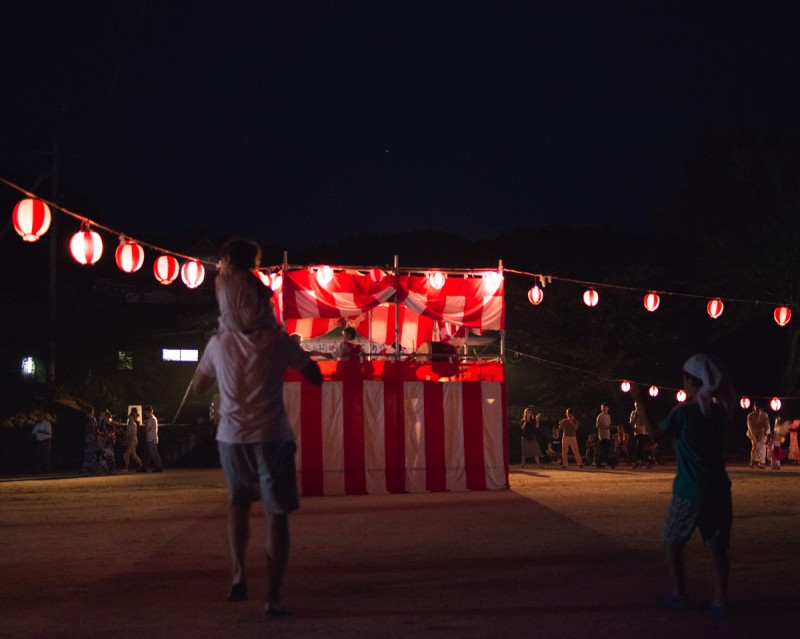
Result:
[[295, 122]]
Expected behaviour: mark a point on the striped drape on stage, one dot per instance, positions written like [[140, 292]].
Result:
[[362, 436]]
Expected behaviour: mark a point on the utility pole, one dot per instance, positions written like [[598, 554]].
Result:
[[51, 298]]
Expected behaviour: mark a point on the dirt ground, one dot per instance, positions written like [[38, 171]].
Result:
[[564, 553]]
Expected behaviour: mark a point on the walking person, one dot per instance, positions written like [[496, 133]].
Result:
[[603, 424], [131, 440], [701, 491], [151, 434], [569, 439], [529, 443], [757, 429], [256, 444]]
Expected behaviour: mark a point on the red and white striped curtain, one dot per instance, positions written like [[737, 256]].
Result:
[[362, 436]]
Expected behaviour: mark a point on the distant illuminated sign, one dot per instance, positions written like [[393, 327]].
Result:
[[180, 354]]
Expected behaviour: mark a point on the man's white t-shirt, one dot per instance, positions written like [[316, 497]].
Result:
[[249, 371]]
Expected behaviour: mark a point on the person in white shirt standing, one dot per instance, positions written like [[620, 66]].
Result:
[[43, 434], [603, 424], [151, 433]]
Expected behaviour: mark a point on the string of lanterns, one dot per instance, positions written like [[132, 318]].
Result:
[[652, 299], [32, 218], [653, 390]]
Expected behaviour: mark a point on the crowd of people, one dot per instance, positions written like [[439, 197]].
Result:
[[101, 435], [605, 446]]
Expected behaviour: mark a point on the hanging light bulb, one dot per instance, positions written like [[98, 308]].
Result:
[[86, 245], [166, 269], [535, 296], [590, 297], [782, 315], [651, 301], [31, 219], [492, 281], [129, 255], [437, 279], [653, 390], [775, 404], [193, 273], [625, 386], [715, 308], [681, 396], [744, 402]]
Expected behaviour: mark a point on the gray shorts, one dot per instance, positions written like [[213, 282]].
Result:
[[261, 471], [714, 519]]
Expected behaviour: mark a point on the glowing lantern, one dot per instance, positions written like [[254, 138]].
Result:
[[590, 297], [535, 296], [651, 301], [86, 246], [376, 274], [193, 273], [625, 386], [130, 255], [436, 279], [681, 396], [653, 390], [775, 404], [324, 274], [782, 315], [275, 281], [31, 219], [166, 269], [264, 277], [744, 402], [715, 308]]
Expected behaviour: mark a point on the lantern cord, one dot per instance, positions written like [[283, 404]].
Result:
[[85, 220], [518, 355]]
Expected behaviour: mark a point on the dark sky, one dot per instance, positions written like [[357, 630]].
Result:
[[292, 122]]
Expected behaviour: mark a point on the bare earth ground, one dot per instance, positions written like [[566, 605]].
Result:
[[564, 553]]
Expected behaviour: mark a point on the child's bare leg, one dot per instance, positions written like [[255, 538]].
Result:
[[676, 574], [720, 566]]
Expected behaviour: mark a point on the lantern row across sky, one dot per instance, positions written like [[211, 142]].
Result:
[[32, 218], [782, 314]]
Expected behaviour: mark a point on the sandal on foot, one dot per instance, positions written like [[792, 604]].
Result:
[[238, 592], [277, 611]]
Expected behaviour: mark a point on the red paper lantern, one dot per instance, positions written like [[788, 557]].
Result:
[[376, 274], [31, 219], [653, 390], [625, 386], [275, 281], [192, 273], [535, 296], [166, 269], [744, 402], [775, 404], [681, 396], [651, 301], [86, 246], [782, 315], [130, 256], [590, 297], [715, 308]]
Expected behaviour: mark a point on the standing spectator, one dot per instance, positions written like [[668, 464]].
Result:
[[105, 440], [641, 439], [554, 446], [131, 440], [347, 349], [256, 445], [151, 433], [701, 492], [757, 429], [529, 444], [569, 439], [90, 442], [603, 423], [43, 435], [775, 451]]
